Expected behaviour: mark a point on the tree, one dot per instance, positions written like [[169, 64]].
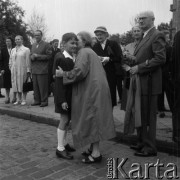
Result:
[[126, 38], [115, 37], [163, 27], [11, 24], [37, 22]]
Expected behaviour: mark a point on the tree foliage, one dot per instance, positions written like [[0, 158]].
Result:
[[115, 37], [163, 27], [126, 38], [37, 22], [12, 24]]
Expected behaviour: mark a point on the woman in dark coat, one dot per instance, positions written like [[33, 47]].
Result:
[[4, 67], [63, 93]]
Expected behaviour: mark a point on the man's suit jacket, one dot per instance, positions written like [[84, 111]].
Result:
[[150, 55], [51, 62], [40, 64]]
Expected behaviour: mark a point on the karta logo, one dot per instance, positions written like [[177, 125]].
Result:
[[117, 169]]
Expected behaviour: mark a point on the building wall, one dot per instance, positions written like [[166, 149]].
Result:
[[175, 9]]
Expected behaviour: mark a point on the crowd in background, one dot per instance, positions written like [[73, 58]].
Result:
[[88, 72]]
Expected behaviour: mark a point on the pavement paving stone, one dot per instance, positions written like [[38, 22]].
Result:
[[42, 173], [61, 174], [29, 171], [37, 144], [89, 178], [60, 167], [47, 178]]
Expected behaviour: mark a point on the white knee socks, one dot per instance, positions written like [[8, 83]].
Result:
[[60, 136]]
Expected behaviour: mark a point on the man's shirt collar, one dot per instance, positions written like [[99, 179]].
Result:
[[67, 55], [145, 33]]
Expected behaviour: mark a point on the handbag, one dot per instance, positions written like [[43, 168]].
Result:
[[1, 80], [28, 85]]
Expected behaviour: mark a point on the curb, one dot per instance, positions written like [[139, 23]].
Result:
[[162, 146], [29, 116]]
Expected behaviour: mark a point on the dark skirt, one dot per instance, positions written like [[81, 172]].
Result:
[[7, 79]]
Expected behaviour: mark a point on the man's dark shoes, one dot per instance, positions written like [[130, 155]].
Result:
[[162, 115], [35, 104], [69, 148], [43, 104], [176, 139], [63, 154], [2, 96], [145, 154], [7, 101], [136, 147]]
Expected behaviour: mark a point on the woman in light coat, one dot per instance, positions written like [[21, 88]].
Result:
[[19, 65]]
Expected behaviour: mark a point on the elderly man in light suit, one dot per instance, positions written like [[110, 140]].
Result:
[[150, 55]]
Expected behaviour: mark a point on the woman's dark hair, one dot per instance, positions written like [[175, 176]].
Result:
[[9, 37], [68, 36], [86, 38], [39, 31], [12, 40]]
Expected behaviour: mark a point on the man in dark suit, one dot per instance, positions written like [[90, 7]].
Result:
[[40, 56], [176, 82], [110, 54], [55, 50], [150, 55]]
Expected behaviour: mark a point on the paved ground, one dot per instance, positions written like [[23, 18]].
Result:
[[48, 116], [27, 152]]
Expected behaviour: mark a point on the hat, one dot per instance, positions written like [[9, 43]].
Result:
[[101, 28]]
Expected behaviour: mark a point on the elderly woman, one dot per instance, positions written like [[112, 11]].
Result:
[[129, 60], [133, 99], [19, 64], [92, 118]]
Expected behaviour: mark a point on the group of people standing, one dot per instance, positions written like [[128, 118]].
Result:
[[85, 80], [19, 63], [150, 63], [15, 68]]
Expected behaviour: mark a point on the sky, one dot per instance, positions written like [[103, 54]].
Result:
[[62, 16]]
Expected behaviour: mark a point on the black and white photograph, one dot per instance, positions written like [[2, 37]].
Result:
[[89, 89]]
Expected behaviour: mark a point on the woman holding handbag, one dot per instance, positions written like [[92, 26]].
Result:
[[19, 64]]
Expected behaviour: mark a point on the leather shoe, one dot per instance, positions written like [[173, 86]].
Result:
[[43, 104], [14, 100], [145, 154], [63, 154], [35, 104], [136, 147], [69, 148], [176, 139], [162, 115], [7, 101], [2, 96]]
